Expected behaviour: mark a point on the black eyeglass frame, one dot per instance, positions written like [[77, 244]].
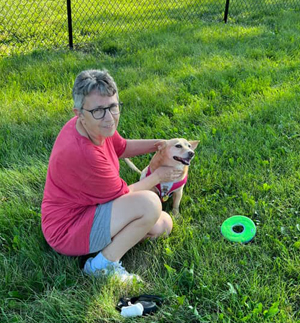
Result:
[[120, 104]]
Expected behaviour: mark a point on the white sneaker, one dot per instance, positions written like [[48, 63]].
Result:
[[115, 270]]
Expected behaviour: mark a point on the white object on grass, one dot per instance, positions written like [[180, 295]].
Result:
[[132, 310]]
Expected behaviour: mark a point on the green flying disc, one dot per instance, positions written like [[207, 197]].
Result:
[[246, 226]]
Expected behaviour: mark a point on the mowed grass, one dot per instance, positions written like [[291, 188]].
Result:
[[28, 25], [236, 88]]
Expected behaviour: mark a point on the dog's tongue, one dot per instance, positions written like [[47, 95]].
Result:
[[182, 160]]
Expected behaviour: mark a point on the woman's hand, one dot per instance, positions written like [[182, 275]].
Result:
[[163, 174], [168, 174]]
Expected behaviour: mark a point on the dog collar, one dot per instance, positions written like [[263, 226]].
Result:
[[166, 189]]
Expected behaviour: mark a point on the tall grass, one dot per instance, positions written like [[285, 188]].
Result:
[[236, 89]]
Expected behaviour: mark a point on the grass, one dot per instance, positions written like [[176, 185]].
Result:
[[29, 25], [235, 88]]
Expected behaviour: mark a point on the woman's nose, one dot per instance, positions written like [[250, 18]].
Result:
[[108, 115]]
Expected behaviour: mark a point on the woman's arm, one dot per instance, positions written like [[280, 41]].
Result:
[[162, 174], [137, 147]]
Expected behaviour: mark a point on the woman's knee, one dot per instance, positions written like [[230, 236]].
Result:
[[144, 206], [166, 224], [151, 205], [151, 200], [162, 227]]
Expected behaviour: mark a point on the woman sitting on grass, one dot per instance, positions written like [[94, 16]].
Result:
[[87, 207]]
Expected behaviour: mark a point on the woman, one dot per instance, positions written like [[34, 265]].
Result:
[[87, 207]]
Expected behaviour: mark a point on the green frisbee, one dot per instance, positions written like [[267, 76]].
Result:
[[247, 226]]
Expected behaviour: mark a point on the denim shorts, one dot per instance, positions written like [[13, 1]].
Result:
[[100, 232]]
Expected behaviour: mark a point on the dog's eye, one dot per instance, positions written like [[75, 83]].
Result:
[[178, 146], [189, 146]]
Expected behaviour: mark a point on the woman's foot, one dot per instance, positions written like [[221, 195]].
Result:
[[113, 269]]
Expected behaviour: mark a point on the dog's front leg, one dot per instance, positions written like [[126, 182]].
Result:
[[177, 195]]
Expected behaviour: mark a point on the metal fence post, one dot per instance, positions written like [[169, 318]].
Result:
[[70, 24], [226, 11]]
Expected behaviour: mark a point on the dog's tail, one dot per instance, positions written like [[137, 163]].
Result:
[[131, 165]]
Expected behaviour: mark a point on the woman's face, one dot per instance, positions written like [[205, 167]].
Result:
[[101, 128]]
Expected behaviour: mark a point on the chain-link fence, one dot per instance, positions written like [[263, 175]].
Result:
[[29, 24]]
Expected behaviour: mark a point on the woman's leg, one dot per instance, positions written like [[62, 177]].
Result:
[[164, 225], [135, 216]]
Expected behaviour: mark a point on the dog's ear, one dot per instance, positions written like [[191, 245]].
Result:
[[161, 145], [194, 143]]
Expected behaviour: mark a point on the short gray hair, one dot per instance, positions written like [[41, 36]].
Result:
[[92, 80]]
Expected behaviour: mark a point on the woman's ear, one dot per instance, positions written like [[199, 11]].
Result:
[[77, 112]]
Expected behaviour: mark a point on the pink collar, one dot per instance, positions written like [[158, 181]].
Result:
[[166, 189]]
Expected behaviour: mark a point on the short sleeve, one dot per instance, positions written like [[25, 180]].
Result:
[[119, 143]]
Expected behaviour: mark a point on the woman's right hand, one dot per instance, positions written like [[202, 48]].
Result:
[[167, 174]]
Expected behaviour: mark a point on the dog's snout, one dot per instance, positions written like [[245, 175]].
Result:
[[191, 154]]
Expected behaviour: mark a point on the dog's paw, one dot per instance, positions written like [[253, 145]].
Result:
[[175, 211]]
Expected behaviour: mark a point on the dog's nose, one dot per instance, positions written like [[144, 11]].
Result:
[[191, 154]]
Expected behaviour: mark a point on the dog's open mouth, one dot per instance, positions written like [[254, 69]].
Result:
[[184, 161]]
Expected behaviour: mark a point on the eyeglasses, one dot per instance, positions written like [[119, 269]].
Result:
[[99, 113]]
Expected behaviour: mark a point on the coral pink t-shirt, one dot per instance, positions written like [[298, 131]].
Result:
[[80, 176]]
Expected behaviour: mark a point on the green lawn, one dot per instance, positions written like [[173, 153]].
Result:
[[27, 25], [234, 87]]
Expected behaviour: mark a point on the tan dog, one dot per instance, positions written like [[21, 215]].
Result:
[[178, 153]]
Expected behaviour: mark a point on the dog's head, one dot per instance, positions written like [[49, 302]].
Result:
[[177, 151]]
